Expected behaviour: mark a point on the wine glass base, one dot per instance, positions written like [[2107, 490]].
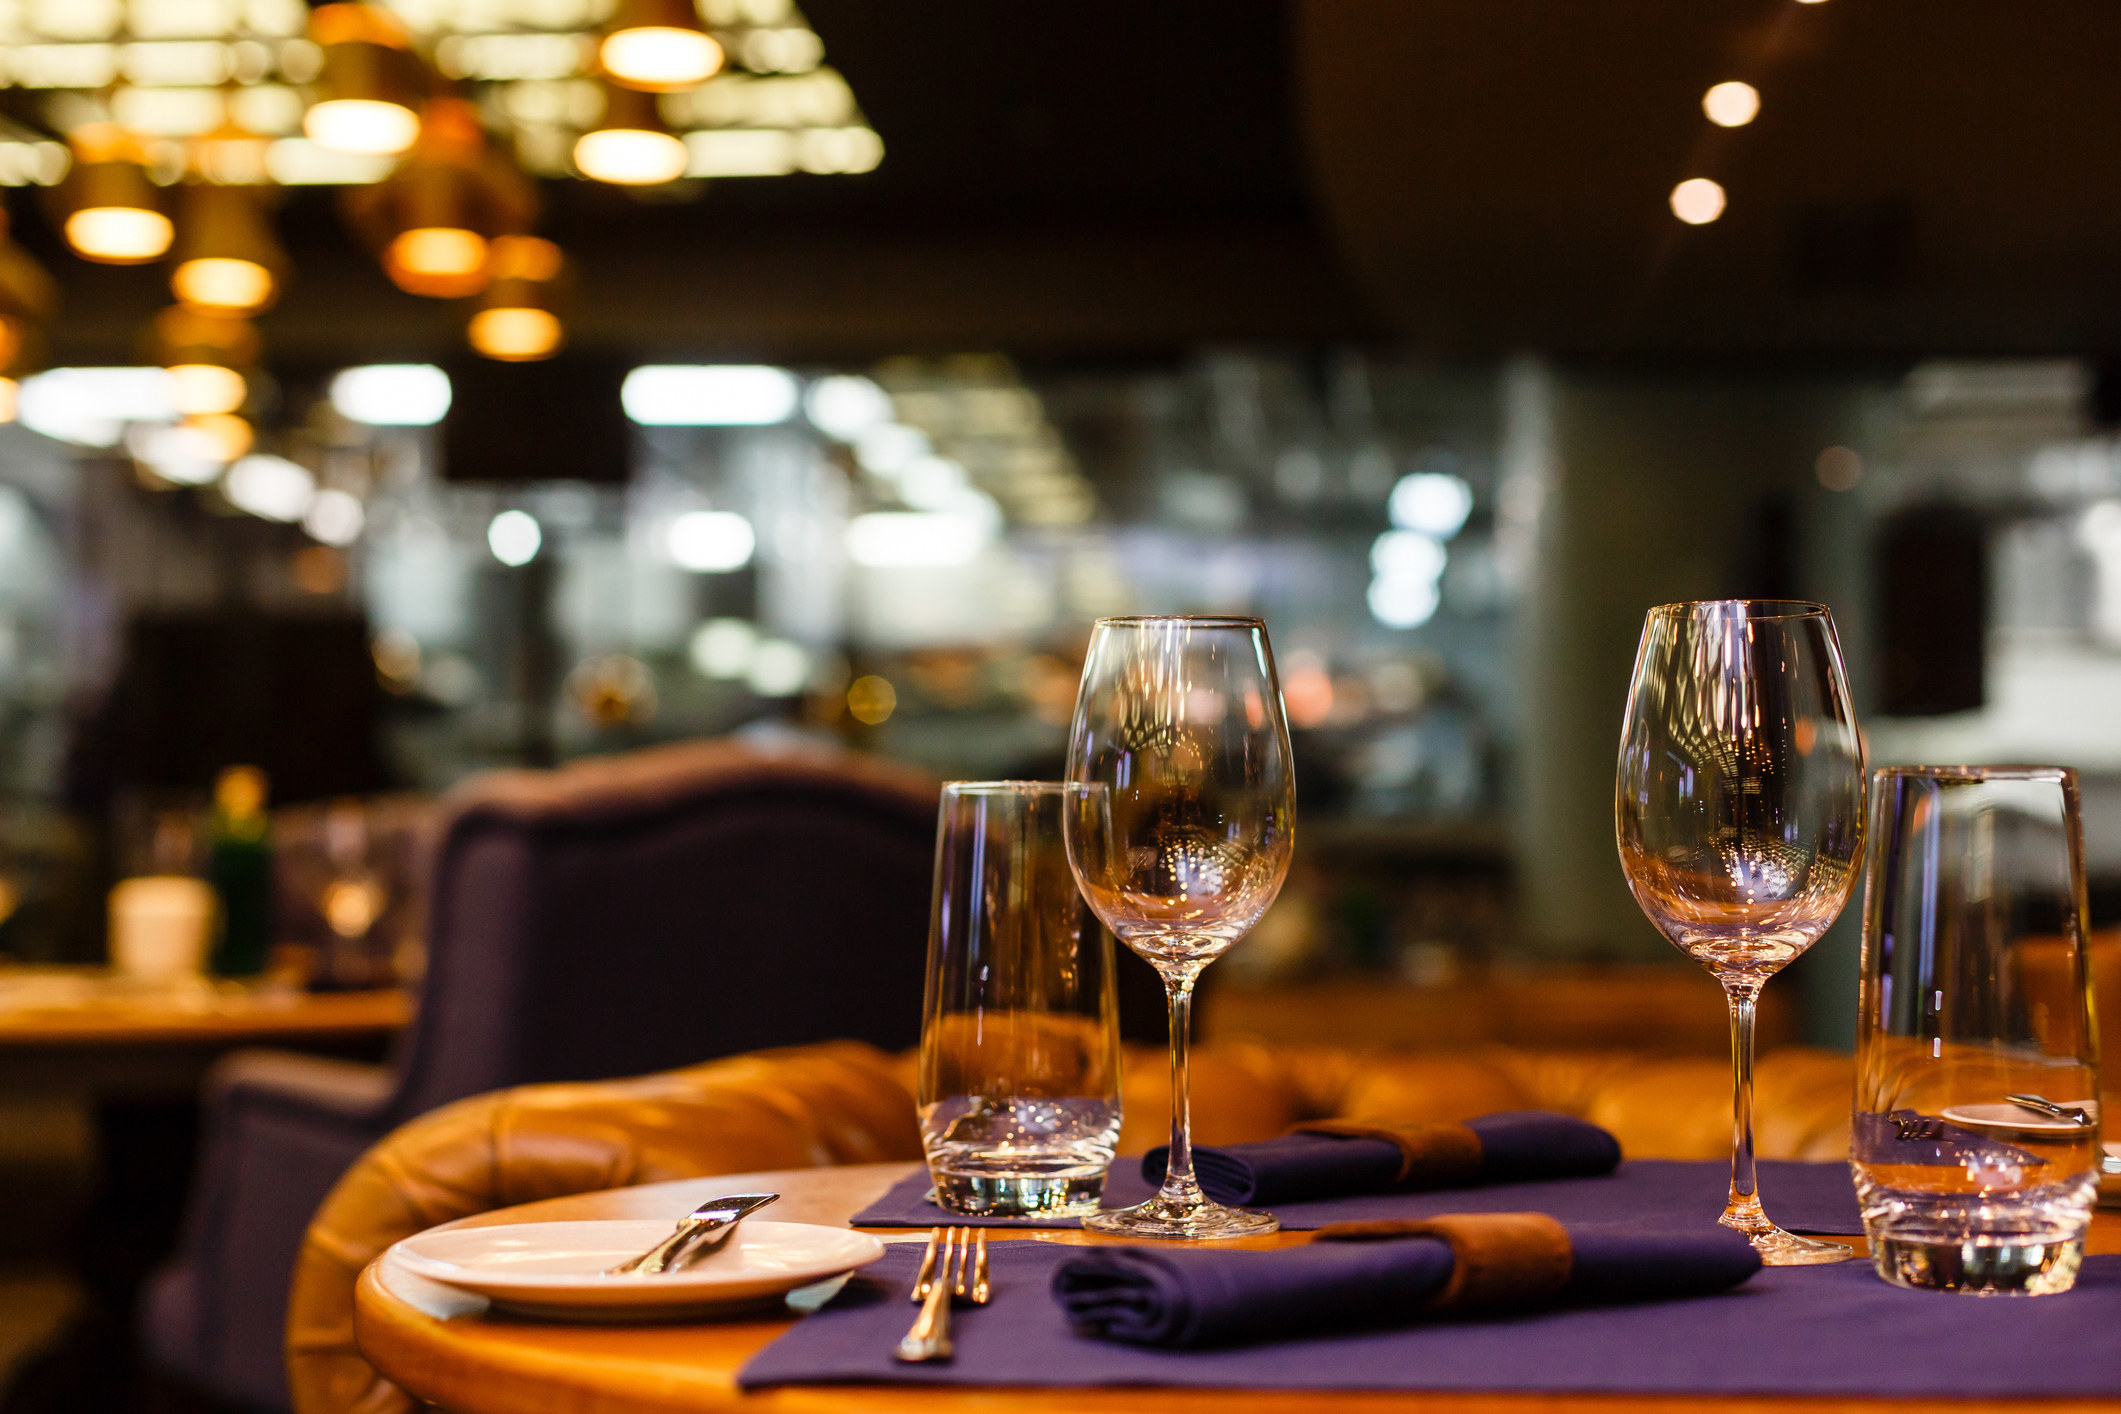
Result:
[[1786, 1249], [1200, 1221]]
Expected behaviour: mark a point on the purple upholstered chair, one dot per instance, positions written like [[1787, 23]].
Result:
[[614, 917]]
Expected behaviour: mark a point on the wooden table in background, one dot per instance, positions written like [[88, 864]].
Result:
[[79, 1032], [474, 1365]]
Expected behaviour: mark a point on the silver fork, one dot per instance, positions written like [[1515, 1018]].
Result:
[[955, 1265]]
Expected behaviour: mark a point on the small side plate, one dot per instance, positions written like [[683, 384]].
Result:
[[2020, 1120], [557, 1270]]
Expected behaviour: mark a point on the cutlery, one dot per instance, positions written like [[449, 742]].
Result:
[[955, 1265], [2040, 1104], [700, 1232]]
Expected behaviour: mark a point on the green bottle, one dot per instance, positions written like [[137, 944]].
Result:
[[239, 866]]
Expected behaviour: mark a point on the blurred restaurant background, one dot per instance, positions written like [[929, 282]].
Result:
[[402, 391]]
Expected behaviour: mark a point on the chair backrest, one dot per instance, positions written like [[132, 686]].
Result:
[[630, 914]]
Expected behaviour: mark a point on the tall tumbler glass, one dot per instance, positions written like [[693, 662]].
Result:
[[1975, 1140], [1019, 1072], [1739, 811], [1182, 835]]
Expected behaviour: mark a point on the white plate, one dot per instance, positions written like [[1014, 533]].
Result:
[[556, 1270], [2024, 1121]]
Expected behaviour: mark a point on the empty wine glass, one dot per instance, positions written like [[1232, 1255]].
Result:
[[1739, 811], [1179, 720]]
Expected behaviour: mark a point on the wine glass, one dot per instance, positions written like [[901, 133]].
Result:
[[1180, 837], [1739, 812]]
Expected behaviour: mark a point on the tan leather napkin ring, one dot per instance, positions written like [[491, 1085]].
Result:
[[1500, 1259], [1437, 1155]]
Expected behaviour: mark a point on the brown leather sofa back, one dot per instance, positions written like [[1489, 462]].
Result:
[[849, 1103]]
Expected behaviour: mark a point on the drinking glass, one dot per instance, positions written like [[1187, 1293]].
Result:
[[1181, 835], [1975, 1141], [1019, 1071], [1739, 812]]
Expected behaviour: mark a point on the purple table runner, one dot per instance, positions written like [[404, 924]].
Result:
[[1791, 1330], [1643, 1195]]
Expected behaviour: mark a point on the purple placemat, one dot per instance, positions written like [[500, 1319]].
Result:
[[1790, 1330], [1642, 1194]]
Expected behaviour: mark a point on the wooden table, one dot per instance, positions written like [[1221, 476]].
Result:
[[80, 1031], [470, 1364]]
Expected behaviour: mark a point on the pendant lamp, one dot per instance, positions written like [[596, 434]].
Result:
[[371, 87], [227, 258], [631, 147], [515, 321], [658, 45]]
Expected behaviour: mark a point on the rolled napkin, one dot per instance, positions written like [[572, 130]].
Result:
[[1341, 1158], [1367, 1274]]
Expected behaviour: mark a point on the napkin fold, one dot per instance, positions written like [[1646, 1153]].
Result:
[[1342, 1158], [1359, 1275]]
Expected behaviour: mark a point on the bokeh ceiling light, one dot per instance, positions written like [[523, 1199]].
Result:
[[631, 147], [370, 84], [1697, 201], [658, 45], [205, 388], [514, 537], [434, 216], [847, 405], [1732, 104], [436, 255], [223, 282], [115, 214], [515, 321], [227, 258], [515, 333], [271, 488], [392, 394], [363, 127], [229, 435]]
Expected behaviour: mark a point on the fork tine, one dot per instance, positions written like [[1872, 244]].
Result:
[[927, 1272], [964, 1260], [980, 1287]]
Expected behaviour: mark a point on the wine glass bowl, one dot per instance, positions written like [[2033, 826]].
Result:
[[1181, 835], [1738, 811]]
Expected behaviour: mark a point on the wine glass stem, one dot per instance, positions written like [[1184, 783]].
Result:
[[1743, 1211], [1179, 1184]]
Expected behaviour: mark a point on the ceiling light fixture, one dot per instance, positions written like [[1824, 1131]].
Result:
[[371, 83], [631, 147], [1732, 104], [116, 216], [206, 387], [392, 394], [515, 321], [434, 216], [1697, 201], [658, 45], [227, 259]]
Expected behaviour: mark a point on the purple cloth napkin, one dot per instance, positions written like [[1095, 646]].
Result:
[[1516, 1146], [1642, 1195], [1822, 1331], [1188, 1299]]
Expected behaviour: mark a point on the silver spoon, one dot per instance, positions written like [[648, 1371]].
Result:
[[2040, 1104], [700, 1232]]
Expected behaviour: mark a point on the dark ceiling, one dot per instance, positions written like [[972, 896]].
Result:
[[1925, 176], [1109, 181]]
